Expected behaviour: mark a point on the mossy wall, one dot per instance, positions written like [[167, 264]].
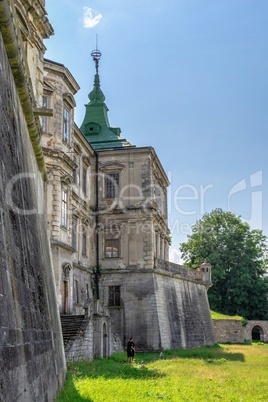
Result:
[[32, 363]]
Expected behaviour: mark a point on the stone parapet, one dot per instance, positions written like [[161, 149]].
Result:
[[196, 275]]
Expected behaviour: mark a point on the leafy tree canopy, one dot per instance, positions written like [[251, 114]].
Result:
[[238, 258]]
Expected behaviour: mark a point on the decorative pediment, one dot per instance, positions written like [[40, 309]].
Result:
[[112, 231], [111, 167], [47, 87], [86, 221], [68, 98], [75, 212], [66, 268], [77, 148], [86, 161], [66, 179]]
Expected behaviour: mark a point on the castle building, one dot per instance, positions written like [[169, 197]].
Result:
[[107, 222], [84, 231], [106, 214], [84, 234]]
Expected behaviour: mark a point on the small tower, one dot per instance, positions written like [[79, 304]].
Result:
[[96, 127], [205, 268]]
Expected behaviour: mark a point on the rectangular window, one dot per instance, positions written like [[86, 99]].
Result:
[[66, 125], [112, 185], [84, 241], [112, 248], [74, 233], [114, 296], [84, 180], [64, 208], [44, 118], [74, 171]]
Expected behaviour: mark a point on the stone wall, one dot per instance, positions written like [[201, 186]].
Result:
[[32, 363], [159, 309], [81, 348], [183, 312], [233, 331], [228, 331]]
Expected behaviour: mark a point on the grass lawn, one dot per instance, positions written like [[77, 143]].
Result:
[[219, 316], [218, 373]]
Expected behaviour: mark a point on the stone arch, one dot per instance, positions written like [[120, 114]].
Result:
[[257, 333]]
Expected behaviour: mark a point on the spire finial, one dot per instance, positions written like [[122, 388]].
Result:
[[96, 55]]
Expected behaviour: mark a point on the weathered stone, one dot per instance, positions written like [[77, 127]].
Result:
[[29, 321], [236, 331]]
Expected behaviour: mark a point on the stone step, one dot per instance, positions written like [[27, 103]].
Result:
[[70, 325]]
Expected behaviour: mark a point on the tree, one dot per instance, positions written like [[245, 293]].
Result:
[[238, 258]]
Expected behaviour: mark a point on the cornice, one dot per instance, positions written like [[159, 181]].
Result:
[[60, 70], [59, 155], [61, 244]]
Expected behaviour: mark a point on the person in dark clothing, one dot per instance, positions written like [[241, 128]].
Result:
[[130, 350]]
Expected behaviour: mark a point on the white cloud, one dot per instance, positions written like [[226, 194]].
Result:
[[175, 256], [90, 20]]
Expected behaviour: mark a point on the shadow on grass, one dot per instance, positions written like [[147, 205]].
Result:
[[212, 354], [105, 368], [112, 368], [70, 393], [116, 367]]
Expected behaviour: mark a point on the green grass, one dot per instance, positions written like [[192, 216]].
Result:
[[219, 316], [228, 373]]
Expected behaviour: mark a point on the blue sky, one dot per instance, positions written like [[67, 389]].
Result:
[[188, 77]]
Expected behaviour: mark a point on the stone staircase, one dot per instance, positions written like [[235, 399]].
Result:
[[71, 325]]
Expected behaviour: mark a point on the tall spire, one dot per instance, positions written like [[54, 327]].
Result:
[[96, 55], [96, 95], [96, 127]]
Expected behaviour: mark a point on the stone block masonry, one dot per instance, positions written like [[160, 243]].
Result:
[[233, 331], [183, 312], [161, 309], [32, 363]]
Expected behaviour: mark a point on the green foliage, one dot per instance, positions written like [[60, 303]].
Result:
[[221, 372], [169, 240], [238, 258]]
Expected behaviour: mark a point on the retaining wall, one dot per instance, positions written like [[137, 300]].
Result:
[[32, 363], [233, 331], [159, 309]]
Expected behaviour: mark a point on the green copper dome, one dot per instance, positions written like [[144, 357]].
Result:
[[96, 127]]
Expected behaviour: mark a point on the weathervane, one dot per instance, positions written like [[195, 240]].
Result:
[[96, 55]]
